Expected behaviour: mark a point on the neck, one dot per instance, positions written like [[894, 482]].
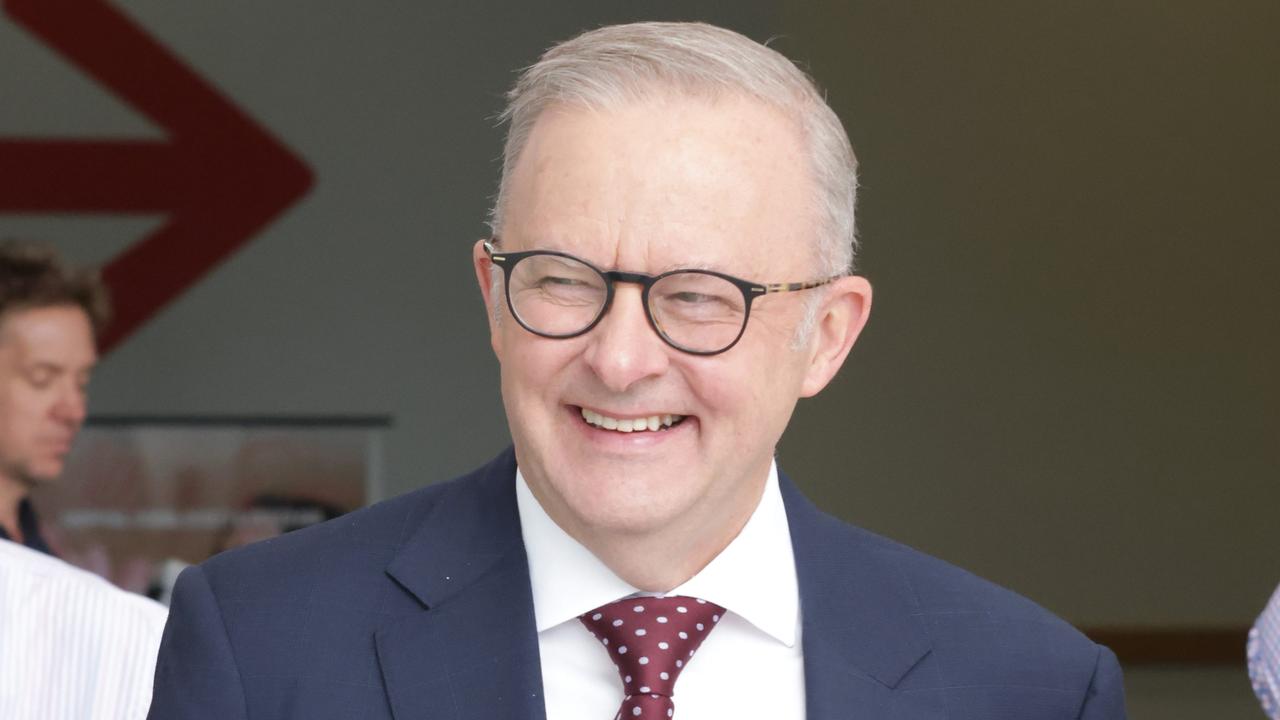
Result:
[[12, 493]]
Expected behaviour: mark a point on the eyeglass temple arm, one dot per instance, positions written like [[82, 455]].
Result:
[[791, 287], [493, 251]]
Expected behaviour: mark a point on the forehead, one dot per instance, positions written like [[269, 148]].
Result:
[[666, 181], [60, 335]]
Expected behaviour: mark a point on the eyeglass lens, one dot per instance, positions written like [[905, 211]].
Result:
[[559, 296]]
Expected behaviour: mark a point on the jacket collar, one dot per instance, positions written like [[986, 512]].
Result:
[[472, 650], [860, 633], [29, 526]]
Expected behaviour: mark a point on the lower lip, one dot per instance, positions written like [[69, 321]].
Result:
[[614, 440]]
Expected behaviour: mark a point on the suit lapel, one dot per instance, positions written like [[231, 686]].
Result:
[[472, 649], [860, 636]]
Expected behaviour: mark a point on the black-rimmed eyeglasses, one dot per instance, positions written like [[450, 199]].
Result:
[[703, 312]]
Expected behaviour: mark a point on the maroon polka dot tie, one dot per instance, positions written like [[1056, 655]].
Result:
[[650, 640]]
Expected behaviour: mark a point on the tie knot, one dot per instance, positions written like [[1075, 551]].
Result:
[[651, 639]]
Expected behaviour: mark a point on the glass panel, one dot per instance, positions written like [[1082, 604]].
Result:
[[141, 498]]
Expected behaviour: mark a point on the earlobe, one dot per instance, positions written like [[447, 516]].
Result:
[[484, 278], [840, 320]]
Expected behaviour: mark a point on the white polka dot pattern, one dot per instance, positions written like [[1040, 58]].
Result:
[[661, 633]]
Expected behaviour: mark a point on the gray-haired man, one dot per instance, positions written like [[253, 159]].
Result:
[[669, 272]]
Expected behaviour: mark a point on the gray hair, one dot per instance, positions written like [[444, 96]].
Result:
[[613, 65]]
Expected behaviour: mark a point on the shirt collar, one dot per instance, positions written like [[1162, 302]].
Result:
[[754, 577], [29, 526]]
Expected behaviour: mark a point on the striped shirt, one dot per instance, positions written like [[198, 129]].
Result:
[[72, 645], [1263, 653]]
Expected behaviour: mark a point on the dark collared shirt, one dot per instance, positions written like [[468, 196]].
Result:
[[29, 526]]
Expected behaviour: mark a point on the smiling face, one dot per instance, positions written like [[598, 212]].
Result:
[[671, 182], [46, 355]]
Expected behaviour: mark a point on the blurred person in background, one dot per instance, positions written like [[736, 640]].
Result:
[[72, 646], [50, 315]]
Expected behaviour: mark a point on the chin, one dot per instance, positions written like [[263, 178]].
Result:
[[630, 503], [45, 472], [605, 489], [626, 521]]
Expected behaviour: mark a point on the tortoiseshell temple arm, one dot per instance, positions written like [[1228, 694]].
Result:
[[792, 287]]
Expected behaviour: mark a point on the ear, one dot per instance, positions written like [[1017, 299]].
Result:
[[484, 277], [840, 320]]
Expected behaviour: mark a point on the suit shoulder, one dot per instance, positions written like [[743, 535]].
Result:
[[966, 618], [978, 644], [945, 593]]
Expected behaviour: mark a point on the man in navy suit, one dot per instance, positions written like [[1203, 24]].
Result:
[[670, 271]]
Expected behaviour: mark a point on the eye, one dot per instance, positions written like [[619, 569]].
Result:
[[561, 281], [41, 377], [694, 298], [554, 275]]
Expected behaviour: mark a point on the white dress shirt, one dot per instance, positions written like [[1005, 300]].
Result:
[[750, 666], [72, 645]]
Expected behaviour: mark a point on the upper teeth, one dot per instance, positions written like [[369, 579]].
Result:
[[653, 422]]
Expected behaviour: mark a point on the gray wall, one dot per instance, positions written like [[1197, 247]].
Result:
[[1068, 212], [1069, 381]]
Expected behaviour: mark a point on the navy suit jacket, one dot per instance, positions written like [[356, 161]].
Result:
[[420, 608]]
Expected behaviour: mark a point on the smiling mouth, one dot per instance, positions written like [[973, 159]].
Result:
[[651, 423]]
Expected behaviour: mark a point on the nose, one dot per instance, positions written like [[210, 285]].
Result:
[[71, 406], [623, 349]]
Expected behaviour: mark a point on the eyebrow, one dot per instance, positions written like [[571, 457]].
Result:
[[664, 269], [55, 367], [539, 244], [689, 266]]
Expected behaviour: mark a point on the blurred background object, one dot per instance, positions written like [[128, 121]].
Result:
[[143, 497]]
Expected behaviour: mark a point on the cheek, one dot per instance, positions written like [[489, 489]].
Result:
[[725, 392], [532, 367], [751, 394], [15, 427], [21, 406]]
